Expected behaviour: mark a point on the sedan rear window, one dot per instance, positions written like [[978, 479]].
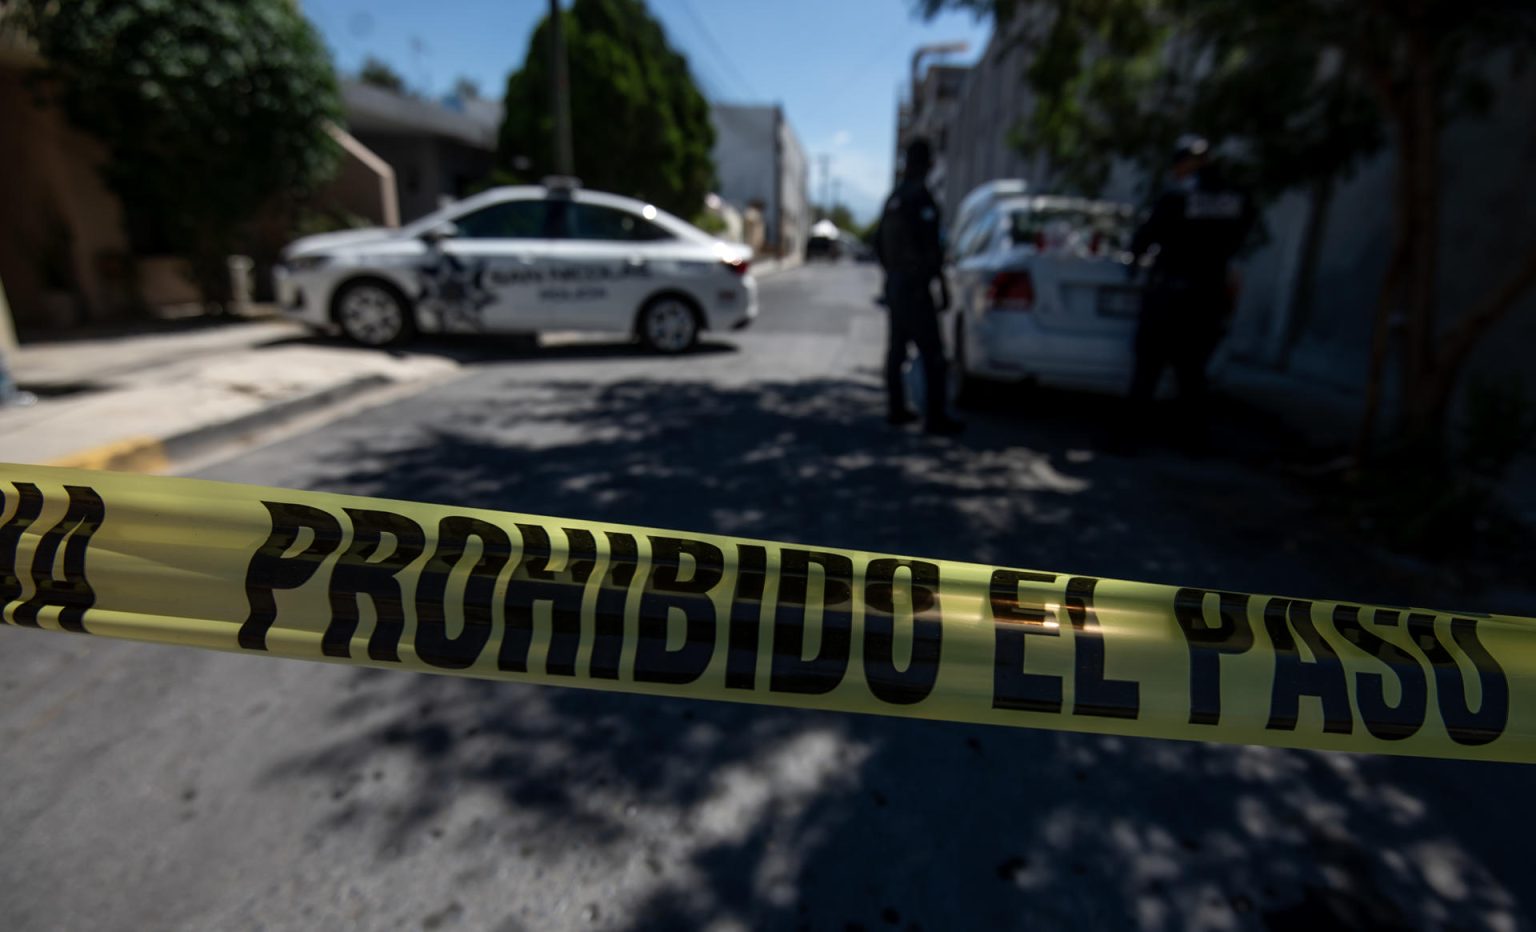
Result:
[[1079, 227], [594, 221]]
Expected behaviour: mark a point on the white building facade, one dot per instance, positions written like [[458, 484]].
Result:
[[759, 160]]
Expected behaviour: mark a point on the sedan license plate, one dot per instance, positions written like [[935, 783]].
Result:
[[1119, 302]]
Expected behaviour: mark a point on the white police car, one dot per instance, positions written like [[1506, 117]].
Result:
[[1042, 295], [521, 260]]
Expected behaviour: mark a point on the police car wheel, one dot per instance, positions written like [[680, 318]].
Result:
[[669, 325], [374, 313]]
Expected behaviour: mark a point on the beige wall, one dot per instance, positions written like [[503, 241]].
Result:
[[53, 203], [60, 224], [364, 184]]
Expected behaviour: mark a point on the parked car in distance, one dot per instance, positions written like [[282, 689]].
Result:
[[523, 260], [860, 250], [825, 242], [1042, 295], [823, 247]]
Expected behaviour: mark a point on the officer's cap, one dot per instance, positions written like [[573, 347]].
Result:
[[1191, 146]]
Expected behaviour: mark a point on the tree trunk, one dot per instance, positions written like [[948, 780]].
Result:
[[1381, 332], [1462, 338], [1423, 392], [1304, 298], [1403, 219], [1426, 415]]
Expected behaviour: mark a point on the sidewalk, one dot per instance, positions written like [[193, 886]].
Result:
[[1325, 416], [141, 401]]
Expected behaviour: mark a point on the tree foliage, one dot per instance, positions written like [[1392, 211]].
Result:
[[640, 126], [465, 88], [1121, 80], [209, 109], [1302, 91], [381, 74]]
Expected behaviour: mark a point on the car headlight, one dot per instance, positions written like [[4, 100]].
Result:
[[307, 263]]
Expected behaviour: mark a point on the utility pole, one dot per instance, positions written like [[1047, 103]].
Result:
[[560, 92], [910, 119], [825, 159]]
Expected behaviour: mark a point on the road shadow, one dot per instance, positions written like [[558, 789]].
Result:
[[1232, 429], [480, 349], [671, 814]]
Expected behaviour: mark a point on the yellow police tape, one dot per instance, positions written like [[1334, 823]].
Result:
[[576, 603]]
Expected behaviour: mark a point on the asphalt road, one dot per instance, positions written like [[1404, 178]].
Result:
[[153, 787]]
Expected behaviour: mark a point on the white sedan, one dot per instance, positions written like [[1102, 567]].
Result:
[[1043, 296], [523, 260]]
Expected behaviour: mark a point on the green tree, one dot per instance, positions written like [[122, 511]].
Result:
[[381, 74], [640, 126], [209, 110], [1305, 89], [466, 88]]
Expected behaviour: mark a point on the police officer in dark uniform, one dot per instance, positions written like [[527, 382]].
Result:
[[907, 245], [1198, 225]]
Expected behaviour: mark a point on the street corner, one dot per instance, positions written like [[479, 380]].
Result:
[[131, 454], [192, 400]]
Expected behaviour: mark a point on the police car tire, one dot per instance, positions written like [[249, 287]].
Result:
[[385, 298], [661, 335]]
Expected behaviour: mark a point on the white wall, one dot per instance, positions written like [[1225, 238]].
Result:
[[994, 100], [758, 157], [744, 158], [794, 177]]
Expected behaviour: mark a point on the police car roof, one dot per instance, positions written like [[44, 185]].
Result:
[[1051, 202], [523, 192], [673, 224]]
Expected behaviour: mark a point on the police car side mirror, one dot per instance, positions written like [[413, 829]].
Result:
[[437, 233]]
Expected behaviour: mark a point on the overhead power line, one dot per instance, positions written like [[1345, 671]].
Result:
[[716, 50]]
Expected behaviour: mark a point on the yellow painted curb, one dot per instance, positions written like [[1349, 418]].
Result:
[[135, 454]]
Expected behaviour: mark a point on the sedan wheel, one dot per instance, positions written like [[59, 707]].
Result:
[[373, 314], [669, 325]]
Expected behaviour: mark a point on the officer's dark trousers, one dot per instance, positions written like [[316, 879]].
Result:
[[914, 320], [1179, 328]]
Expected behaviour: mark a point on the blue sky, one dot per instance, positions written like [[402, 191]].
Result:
[[833, 64]]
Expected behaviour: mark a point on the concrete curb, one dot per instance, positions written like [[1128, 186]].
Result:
[[157, 454]]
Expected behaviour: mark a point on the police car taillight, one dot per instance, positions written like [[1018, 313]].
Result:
[[1011, 291], [738, 266]]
